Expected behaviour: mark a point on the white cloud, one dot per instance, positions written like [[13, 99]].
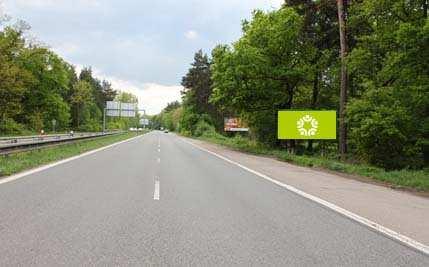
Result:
[[191, 35], [66, 49], [56, 3], [146, 45], [153, 97], [276, 3]]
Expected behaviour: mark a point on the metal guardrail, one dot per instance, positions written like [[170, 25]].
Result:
[[10, 145]]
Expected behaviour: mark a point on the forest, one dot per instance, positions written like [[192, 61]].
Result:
[[367, 59], [41, 91]]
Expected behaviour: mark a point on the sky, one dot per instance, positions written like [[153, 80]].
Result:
[[140, 46]]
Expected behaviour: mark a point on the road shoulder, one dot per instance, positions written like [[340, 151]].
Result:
[[402, 212], [47, 165]]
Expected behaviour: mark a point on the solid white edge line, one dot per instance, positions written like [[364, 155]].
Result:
[[50, 165], [373, 225], [156, 191]]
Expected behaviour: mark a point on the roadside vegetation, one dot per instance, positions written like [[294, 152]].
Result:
[[399, 179], [290, 59], [15, 163], [37, 87]]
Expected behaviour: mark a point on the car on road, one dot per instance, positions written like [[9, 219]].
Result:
[[166, 131]]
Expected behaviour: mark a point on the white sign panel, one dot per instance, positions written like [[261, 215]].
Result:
[[112, 112], [118, 109], [128, 109], [144, 122], [113, 105]]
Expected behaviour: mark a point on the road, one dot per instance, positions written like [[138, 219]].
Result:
[[157, 200]]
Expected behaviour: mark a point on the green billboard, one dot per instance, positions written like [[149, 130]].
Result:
[[307, 124]]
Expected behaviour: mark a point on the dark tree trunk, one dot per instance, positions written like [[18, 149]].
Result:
[[290, 90], [425, 8], [341, 4], [314, 99]]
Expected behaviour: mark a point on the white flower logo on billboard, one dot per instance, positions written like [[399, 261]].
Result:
[[307, 126]]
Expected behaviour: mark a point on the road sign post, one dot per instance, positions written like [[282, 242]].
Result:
[[54, 123]]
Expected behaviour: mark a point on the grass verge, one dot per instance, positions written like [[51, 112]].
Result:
[[15, 163], [415, 180]]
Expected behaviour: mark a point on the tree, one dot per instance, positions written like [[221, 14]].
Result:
[[81, 96], [108, 92], [46, 96], [37, 86], [263, 71], [197, 90], [14, 78], [96, 87], [126, 97], [172, 106], [342, 17], [389, 120], [319, 30]]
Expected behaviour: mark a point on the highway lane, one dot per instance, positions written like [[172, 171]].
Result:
[[157, 200]]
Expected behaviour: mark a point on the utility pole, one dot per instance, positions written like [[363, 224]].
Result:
[[342, 5]]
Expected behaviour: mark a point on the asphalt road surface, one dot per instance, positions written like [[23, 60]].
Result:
[[157, 200]]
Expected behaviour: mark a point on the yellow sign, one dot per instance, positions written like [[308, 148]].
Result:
[[307, 124]]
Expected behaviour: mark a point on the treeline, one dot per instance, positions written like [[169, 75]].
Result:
[[289, 59], [40, 91]]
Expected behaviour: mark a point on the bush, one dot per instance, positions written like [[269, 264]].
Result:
[[204, 128], [189, 120], [91, 126], [35, 121], [9, 126], [185, 133], [383, 131]]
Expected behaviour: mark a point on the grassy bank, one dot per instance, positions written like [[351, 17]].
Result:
[[26, 160], [410, 179]]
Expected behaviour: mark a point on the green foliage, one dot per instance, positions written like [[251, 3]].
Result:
[[389, 119], [412, 179], [102, 91], [37, 87], [188, 120], [288, 59], [91, 117], [126, 97], [27, 160], [263, 71], [169, 118], [9, 127], [197, 85], [81, 98], [46, 95], [204, 128], [14, 78], [384, 130]]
